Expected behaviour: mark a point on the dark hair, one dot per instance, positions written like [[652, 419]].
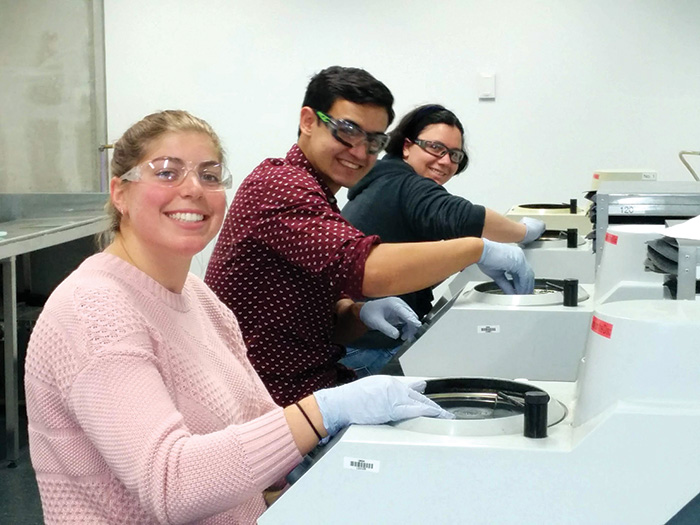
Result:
[[349, 83], [416, 121]]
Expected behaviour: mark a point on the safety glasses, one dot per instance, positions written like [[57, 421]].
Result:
[[172, 171], [438, 149], [351, 135]]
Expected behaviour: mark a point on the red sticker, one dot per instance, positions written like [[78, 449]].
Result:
[[596, 176], [601, 327], [611, 238]]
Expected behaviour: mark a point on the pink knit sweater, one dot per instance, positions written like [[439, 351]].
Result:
[[143, 407]]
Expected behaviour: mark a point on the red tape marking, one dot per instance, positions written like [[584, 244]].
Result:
[[601, 327]]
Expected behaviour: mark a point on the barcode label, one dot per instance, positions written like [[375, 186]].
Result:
[[368, 465]]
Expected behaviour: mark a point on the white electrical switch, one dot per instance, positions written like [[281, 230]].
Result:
[[487, 86]]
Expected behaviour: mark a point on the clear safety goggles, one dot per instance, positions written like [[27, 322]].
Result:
[[172, 171]]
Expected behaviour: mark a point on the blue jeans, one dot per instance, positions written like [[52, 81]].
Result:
[[368, 361]]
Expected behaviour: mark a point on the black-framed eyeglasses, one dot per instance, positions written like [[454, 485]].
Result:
[[172, 171], [438, 149], [351, 135]]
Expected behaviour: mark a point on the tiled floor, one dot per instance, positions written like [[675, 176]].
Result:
[[20, 497], [19, 500]]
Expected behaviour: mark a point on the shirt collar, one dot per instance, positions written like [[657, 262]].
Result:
[[296, 158]]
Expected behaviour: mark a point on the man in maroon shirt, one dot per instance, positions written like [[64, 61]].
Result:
[[291, 268]]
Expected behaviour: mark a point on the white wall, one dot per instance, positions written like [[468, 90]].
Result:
[[581, 85]]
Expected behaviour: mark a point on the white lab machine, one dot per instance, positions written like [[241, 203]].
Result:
[[642, 203], [622, 275], [626, 175], [470, 332], [621, 445], [557, 216], [562, 216], [557, 254], [562, 254], [482, 332]]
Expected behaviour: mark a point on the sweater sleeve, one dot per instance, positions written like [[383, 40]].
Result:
[[125, 409], [436, 214]]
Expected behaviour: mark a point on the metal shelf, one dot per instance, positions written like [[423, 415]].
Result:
[[619, 202]]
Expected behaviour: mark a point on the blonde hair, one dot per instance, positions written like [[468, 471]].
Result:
[[130, 149]]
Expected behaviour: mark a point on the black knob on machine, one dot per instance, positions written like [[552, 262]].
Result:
[[573, 206], [570, 292], [536, 414]]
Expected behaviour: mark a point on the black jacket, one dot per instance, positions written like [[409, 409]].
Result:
[[399, 205]]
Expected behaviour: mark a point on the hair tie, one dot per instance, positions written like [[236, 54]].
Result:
[[309, 420]]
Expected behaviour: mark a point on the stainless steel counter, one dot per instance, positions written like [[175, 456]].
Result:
[[29, 222], [37, 220]]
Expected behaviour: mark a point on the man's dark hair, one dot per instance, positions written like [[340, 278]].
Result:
[[349, 83], [416, 121]]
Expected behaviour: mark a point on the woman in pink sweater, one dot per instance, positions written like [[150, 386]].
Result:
[[142, 405]]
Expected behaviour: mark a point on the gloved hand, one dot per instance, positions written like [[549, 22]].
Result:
[[373, 400], [498, 258], [388, 315], [534, 229]]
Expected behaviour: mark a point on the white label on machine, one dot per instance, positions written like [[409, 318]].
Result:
[[626, 209], [369, 465], [488, 329]]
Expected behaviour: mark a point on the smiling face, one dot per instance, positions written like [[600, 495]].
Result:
[[340, 165], [439, 169], [171, 222]]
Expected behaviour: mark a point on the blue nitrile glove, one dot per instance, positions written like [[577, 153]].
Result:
[[498, 258], [388, 315], [374, 400], [534, 229]]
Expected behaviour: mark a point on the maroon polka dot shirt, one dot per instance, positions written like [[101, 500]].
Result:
[[284, 257]]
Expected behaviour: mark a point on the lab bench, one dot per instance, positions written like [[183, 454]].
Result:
[[38, 236]]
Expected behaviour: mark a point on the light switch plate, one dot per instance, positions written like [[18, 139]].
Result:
[[487, 86]]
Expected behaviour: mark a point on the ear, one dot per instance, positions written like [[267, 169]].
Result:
[[406, 144], [117, 194], [307, 120]]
